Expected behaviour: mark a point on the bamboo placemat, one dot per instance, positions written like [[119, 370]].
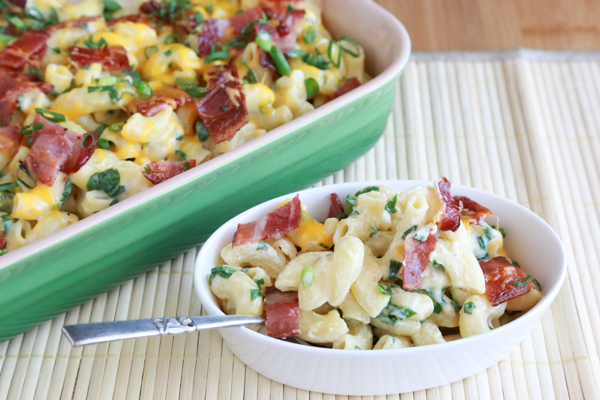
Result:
[[523, 124]]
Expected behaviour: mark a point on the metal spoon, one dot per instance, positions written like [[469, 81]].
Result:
[[84, 334]]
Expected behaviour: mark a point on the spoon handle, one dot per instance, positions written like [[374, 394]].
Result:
[[84, 334]]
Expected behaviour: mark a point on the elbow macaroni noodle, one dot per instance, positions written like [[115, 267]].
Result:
[[159, 55], [355, 299]]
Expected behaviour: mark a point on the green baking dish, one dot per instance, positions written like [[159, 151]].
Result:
[[54, 274]]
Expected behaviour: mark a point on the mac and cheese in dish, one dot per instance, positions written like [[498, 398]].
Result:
[[100, 100], [385, 270]]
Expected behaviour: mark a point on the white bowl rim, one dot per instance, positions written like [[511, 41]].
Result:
[[212, 308], [399, 62]]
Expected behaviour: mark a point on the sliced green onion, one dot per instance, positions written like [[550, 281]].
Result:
[[114, 128], [216, 54], [202, 131], [85, 139], [16, 21], [312, 87], [145, 89], [261, 246], [35, 13], [522, 281], [251, 76], [199, 18], [513, 313], [50, 116], [307, 277], [173, 38], [150, 50], [29, 129], [323, 245], [280, 62], [309, 34], [182, 156], [353, 52], [537, 284], [103, 144], [296, 53], [330, 54], [28, 174], [191, 87], [8, 186], [264, 40], [109, 80]]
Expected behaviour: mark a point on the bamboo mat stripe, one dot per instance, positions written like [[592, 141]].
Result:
[[522, 124]]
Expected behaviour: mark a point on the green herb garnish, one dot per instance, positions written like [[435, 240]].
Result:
[[224, 271], [469, 307], [394, 269], [409, 231]]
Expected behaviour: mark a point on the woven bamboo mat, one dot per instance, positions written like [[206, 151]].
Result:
[[523, 124]]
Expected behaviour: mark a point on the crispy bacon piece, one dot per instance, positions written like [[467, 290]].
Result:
[[29, 49], [416, 257], [71, 23], [12, 85], [223, 109], [282, 311], [150, 6], [472, 210], [272, 226], [500, 276], [163, 170], [239, 21], [18, 3], [337, 207], [265, 60], [163, 97], [56, 149], [349, 85], [212, 32], [450, 212], [10, 137], [289, 28], [112, 58]]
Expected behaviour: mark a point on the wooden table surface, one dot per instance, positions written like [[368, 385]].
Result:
[[499, 24]]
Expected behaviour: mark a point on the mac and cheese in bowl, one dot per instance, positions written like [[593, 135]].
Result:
[[385, 270], [101, 100]]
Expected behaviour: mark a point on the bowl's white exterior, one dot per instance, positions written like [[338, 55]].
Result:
[[530, 240]]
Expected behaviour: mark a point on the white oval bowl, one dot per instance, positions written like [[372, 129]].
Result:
[[530, 241]]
